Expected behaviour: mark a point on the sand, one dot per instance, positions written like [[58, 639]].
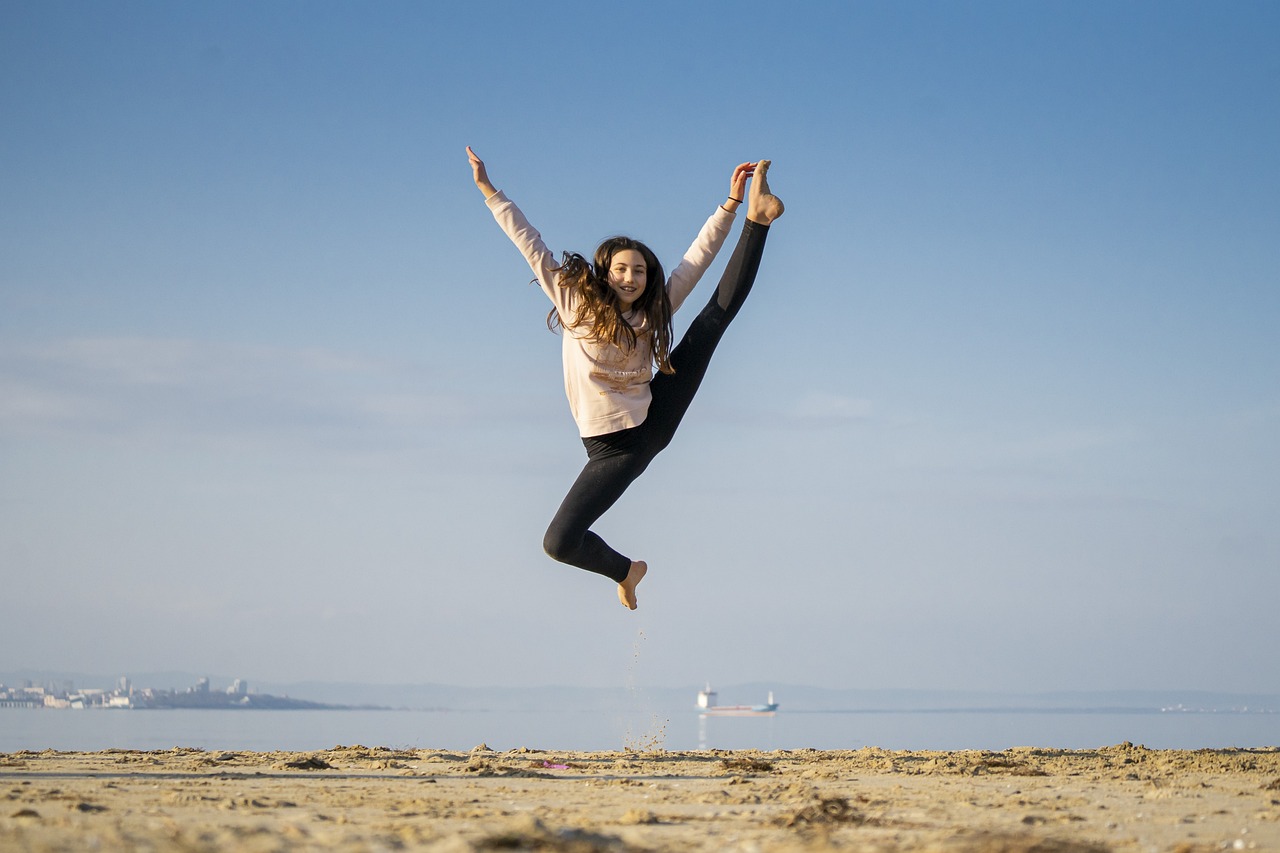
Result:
[[1121, 798]]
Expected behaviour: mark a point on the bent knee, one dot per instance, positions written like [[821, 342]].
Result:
[[558, 546]]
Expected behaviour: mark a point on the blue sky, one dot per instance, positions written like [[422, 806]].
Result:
[[277, 400]]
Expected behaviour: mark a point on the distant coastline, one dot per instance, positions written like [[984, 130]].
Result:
[[62, 694], [29, 688]]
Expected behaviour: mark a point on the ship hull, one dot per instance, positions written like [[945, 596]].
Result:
[[739, 711]]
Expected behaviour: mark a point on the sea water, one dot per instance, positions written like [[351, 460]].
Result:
[[640, 729]]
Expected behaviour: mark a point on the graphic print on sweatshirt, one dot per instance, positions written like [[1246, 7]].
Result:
[[620, 369]]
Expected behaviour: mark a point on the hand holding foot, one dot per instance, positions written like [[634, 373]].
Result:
[[738, 185], [627, 589], [762, 205]]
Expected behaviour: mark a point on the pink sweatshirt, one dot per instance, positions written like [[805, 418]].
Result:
[[607, 385]]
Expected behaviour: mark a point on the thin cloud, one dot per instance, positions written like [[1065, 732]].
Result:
[[831, 408], [1067, 442], [146, 387]]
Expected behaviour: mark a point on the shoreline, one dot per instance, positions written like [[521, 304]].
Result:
[[1120, 798]]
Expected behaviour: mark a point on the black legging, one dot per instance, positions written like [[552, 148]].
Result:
[[616, 459]]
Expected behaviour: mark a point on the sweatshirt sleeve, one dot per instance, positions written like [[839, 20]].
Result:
[[699, 256], [527, 239]]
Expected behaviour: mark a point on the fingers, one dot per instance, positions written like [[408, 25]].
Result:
[[477, 166], [738, 183]]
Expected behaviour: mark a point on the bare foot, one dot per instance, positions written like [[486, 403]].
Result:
[[762, 205], [627, 589]]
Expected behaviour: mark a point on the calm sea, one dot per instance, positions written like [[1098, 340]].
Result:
[[641, 729]]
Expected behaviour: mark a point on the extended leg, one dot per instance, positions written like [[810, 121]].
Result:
[[673, 393]]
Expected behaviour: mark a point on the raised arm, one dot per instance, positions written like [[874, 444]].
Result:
[[525, 237], [709, 240]]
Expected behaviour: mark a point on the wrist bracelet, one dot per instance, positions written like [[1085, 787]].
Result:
[[738, 200]]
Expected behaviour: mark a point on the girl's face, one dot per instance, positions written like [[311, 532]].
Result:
[[627, 275]]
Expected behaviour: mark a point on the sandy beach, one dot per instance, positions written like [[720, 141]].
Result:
[[1121, 798]]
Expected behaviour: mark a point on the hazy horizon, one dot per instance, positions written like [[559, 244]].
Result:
[[813, 697]]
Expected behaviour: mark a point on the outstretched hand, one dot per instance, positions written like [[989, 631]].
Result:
[[480, 174], [738, 185]]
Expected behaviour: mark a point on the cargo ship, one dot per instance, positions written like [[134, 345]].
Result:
[[707, 706]]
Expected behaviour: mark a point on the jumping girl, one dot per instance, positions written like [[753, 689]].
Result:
[[615, 313]]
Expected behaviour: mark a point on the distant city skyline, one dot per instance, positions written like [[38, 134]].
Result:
[[62, 694]]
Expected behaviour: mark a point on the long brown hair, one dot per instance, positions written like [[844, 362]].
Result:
[[599, 310]]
